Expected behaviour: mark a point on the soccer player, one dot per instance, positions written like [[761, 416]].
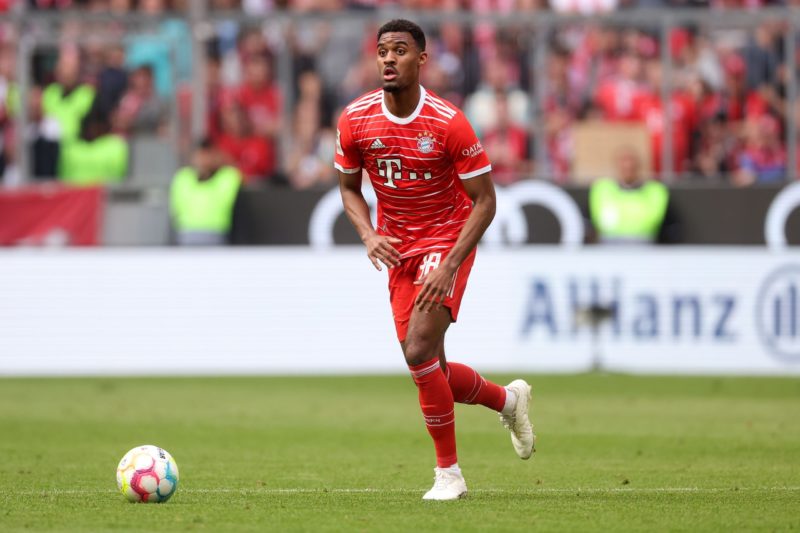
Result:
[[435, 200]]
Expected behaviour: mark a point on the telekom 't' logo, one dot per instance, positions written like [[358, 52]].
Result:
[[392, 169]]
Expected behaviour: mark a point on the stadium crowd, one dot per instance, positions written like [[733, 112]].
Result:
[[92, 100]]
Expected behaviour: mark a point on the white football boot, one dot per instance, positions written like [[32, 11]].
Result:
[[448, 484], [518, 423]]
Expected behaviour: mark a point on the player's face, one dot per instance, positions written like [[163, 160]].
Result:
[[399, 60]]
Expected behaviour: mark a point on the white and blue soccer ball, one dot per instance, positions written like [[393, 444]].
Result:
[[147, 474]]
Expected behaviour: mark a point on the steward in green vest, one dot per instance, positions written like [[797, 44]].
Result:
[[67, 101], [630, 209], [97, 157], [202, 198]]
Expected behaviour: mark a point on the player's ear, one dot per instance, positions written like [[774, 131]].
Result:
[[423, 57]]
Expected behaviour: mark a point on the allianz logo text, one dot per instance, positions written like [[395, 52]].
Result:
[[640, 315], [552, 309]]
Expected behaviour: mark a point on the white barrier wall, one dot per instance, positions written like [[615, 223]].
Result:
[[293, 310]]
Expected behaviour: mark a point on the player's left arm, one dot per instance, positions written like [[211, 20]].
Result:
[[436, 284]]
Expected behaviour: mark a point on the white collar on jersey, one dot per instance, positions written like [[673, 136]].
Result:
[[410, 118]]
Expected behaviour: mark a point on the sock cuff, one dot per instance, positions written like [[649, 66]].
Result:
[[447, 462], [418, 371]]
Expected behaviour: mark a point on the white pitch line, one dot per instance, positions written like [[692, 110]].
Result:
[[526, 491]]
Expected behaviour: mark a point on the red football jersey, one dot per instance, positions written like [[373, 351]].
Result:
[[415, 164]]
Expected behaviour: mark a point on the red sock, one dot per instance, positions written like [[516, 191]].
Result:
[[436, 401], [469, 387]]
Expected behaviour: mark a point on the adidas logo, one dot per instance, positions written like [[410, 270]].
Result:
[[376, 144]]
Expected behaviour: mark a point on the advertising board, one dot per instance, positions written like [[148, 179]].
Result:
[[294, 310]]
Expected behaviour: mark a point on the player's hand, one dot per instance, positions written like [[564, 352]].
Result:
[[380, 250], [435, 286]]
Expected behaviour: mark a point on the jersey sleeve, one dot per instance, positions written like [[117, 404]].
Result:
[[347, 158], [465, 150]]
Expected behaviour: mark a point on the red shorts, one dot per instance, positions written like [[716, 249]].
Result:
[[403, 291]]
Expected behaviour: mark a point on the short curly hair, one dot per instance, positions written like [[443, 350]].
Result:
[[403, 25]]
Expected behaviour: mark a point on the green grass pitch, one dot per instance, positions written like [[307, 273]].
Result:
[[352, 454]]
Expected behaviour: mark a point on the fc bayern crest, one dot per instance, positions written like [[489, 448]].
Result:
[[425, 143]]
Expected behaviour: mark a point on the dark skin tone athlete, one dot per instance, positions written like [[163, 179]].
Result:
[[399, 60]]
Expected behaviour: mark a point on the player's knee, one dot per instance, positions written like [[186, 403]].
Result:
[[419, 350]]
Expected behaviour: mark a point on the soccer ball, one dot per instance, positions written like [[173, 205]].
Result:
[[147, 474]]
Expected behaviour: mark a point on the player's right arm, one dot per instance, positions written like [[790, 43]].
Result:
[[348, 163]]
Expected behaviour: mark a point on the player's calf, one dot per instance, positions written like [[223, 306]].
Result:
[[436, 403], [469, 387]]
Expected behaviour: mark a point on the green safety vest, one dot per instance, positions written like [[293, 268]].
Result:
[[104, 160], [204, 206], [627, 214], [67, 110]]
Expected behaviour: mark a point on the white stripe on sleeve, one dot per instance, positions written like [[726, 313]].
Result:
[[474, 173], [340, 168]]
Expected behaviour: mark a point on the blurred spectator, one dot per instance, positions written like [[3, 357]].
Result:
[[251, 42], [507, 146], [253, 155], [97, 156], [763, 159], [112, 79], [595, 58], [562, 107], [226, 30], [458, 58], [762, 55], [560, 92], [694, 56], [66, 101], [683, 118], [202, 198], [730, 103], [616, 97], [57, 112], [141, 109], [559, 144], [715, 149], [481, 106], [261, 101], [171, 39], [630, 209], [313, 144]]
